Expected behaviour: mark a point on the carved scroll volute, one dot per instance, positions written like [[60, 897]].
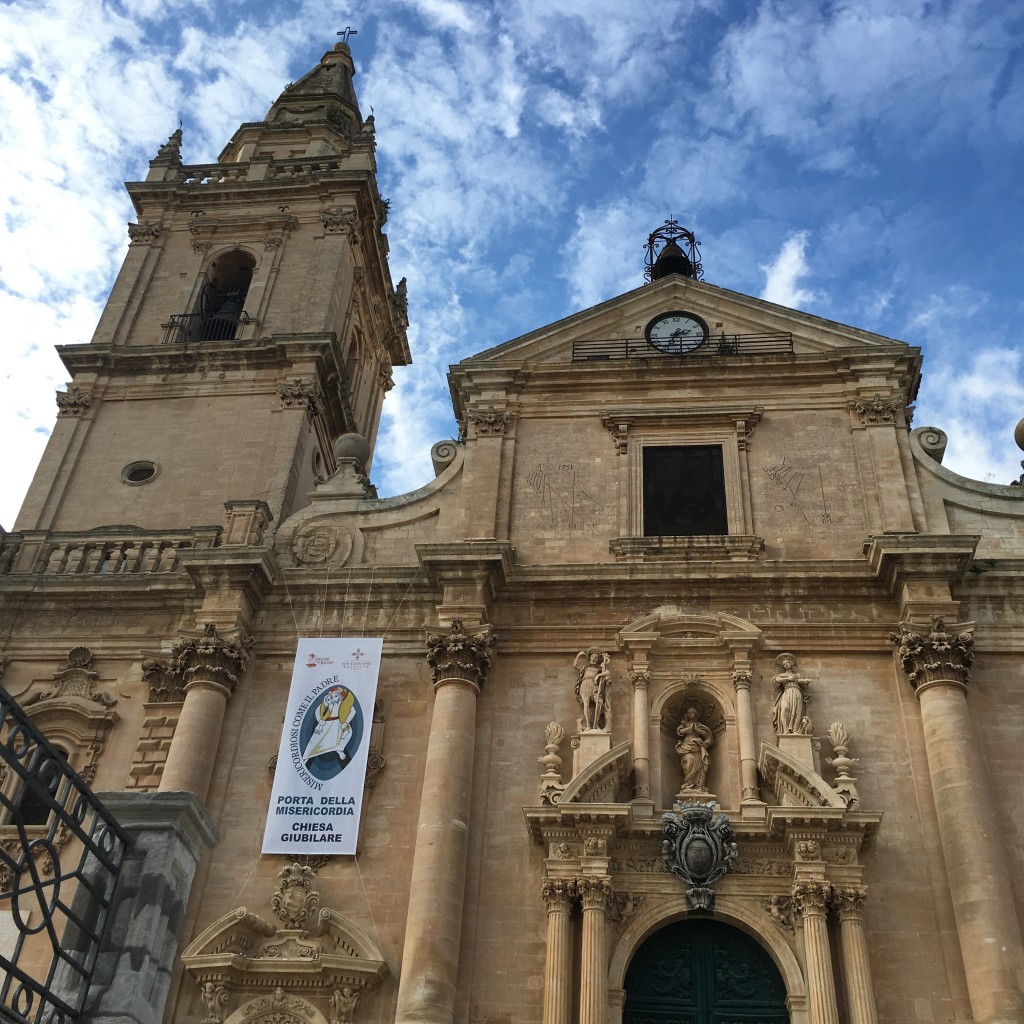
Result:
[[460, 655], [935, 656]]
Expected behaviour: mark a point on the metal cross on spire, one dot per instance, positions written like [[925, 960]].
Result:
[[348, 31]]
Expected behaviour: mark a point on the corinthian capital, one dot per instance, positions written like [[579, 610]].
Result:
[[812, 898], [848, 901], [210, 658], [937, 655], [458, 654], [558, 893], [595, 893]]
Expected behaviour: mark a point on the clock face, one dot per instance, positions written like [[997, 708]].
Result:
[[676, 332]]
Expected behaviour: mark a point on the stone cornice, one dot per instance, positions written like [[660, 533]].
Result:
[[900, 557]]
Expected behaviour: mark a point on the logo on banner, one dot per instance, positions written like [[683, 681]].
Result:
[[330, 729]]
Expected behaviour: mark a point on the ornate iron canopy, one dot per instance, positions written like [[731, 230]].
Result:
[[672, 249]]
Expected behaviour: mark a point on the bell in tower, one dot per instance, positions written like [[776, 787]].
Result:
[[666, 256]]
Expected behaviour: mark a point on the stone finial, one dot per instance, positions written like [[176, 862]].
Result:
[[936, 656], [845, 784], [210, 658], [171, 149], [699, 848], [551, 780], [592, 682], [458, 654]]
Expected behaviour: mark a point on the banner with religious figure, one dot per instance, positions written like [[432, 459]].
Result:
[[321, 763]]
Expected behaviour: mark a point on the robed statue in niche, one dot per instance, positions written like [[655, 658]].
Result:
[[592, 681], [790, 715], [694, 740]]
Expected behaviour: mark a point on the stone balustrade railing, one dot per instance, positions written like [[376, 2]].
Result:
[[105, 552], [219, 174]]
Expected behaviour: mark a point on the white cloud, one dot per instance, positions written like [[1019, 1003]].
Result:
[[783, 274]]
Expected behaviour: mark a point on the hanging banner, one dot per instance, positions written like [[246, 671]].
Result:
[[321, 763]]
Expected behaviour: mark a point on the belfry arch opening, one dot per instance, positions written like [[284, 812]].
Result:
[[222, 296], [703, 971]]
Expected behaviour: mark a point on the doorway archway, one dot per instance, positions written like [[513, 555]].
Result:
[[703, 972]]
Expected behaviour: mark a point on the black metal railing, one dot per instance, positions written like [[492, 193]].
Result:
[[720, 346], [47, 812], [205, 326]]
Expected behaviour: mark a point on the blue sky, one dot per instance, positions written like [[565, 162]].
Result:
[[860, 161]]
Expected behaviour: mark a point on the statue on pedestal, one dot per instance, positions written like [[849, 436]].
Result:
[[592, 683], [694, 740]]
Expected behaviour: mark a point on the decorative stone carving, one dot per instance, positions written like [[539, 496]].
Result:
[[145, 232], [338, 221], [344, 1002], [935, 656], [623, 905], [640, 678], [594, 847], [592, 683], [812, 898], [210, 658], [848, 901], [164, 686], [594, 893], [620, 435], [215, 998], [73, 402], [790, 714], [877, 409], [300, 393], [460, 655], [780, 910], [844, 784], [201, 247], [808, 849], [295, 898], [563, 851], [272, 242], [401, 302], [551, 780], [559, 893], [742, 678], [699, 848], [385, 378], [489, 423], [692, 747], [322, 543]]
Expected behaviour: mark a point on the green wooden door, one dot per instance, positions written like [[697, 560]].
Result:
[[703, 972]]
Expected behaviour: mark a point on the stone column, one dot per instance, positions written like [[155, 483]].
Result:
[[741, 680], [639, 676], [559, 894], [459, 662], [811, 899], [208, 667], [937, 662], [848, 901], [594, 896]]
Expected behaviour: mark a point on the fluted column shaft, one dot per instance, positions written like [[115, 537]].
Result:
[[860, 999], [640, 677], [741, 679], [594, 896], [558, 895], [937, 662], [811, 899], [430, 957]]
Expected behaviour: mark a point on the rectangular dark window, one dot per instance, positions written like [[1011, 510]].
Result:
[[684, 491]]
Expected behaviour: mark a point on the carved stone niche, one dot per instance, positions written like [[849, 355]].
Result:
[[250, 969], [698, 703], [73, 713]]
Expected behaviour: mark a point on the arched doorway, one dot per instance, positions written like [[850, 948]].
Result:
[[703, 972]]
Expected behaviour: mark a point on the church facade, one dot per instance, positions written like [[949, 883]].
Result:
[[701, 687]]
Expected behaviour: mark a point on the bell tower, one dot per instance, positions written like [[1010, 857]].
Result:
[[253, 321]]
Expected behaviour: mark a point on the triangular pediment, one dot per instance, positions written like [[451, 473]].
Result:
[[726, 312]]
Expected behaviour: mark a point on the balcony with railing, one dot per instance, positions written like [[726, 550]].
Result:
[[723, 346]]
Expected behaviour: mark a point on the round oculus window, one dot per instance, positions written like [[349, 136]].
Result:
[[140, 472]]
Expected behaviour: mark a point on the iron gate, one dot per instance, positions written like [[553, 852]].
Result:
[[49, 821]]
